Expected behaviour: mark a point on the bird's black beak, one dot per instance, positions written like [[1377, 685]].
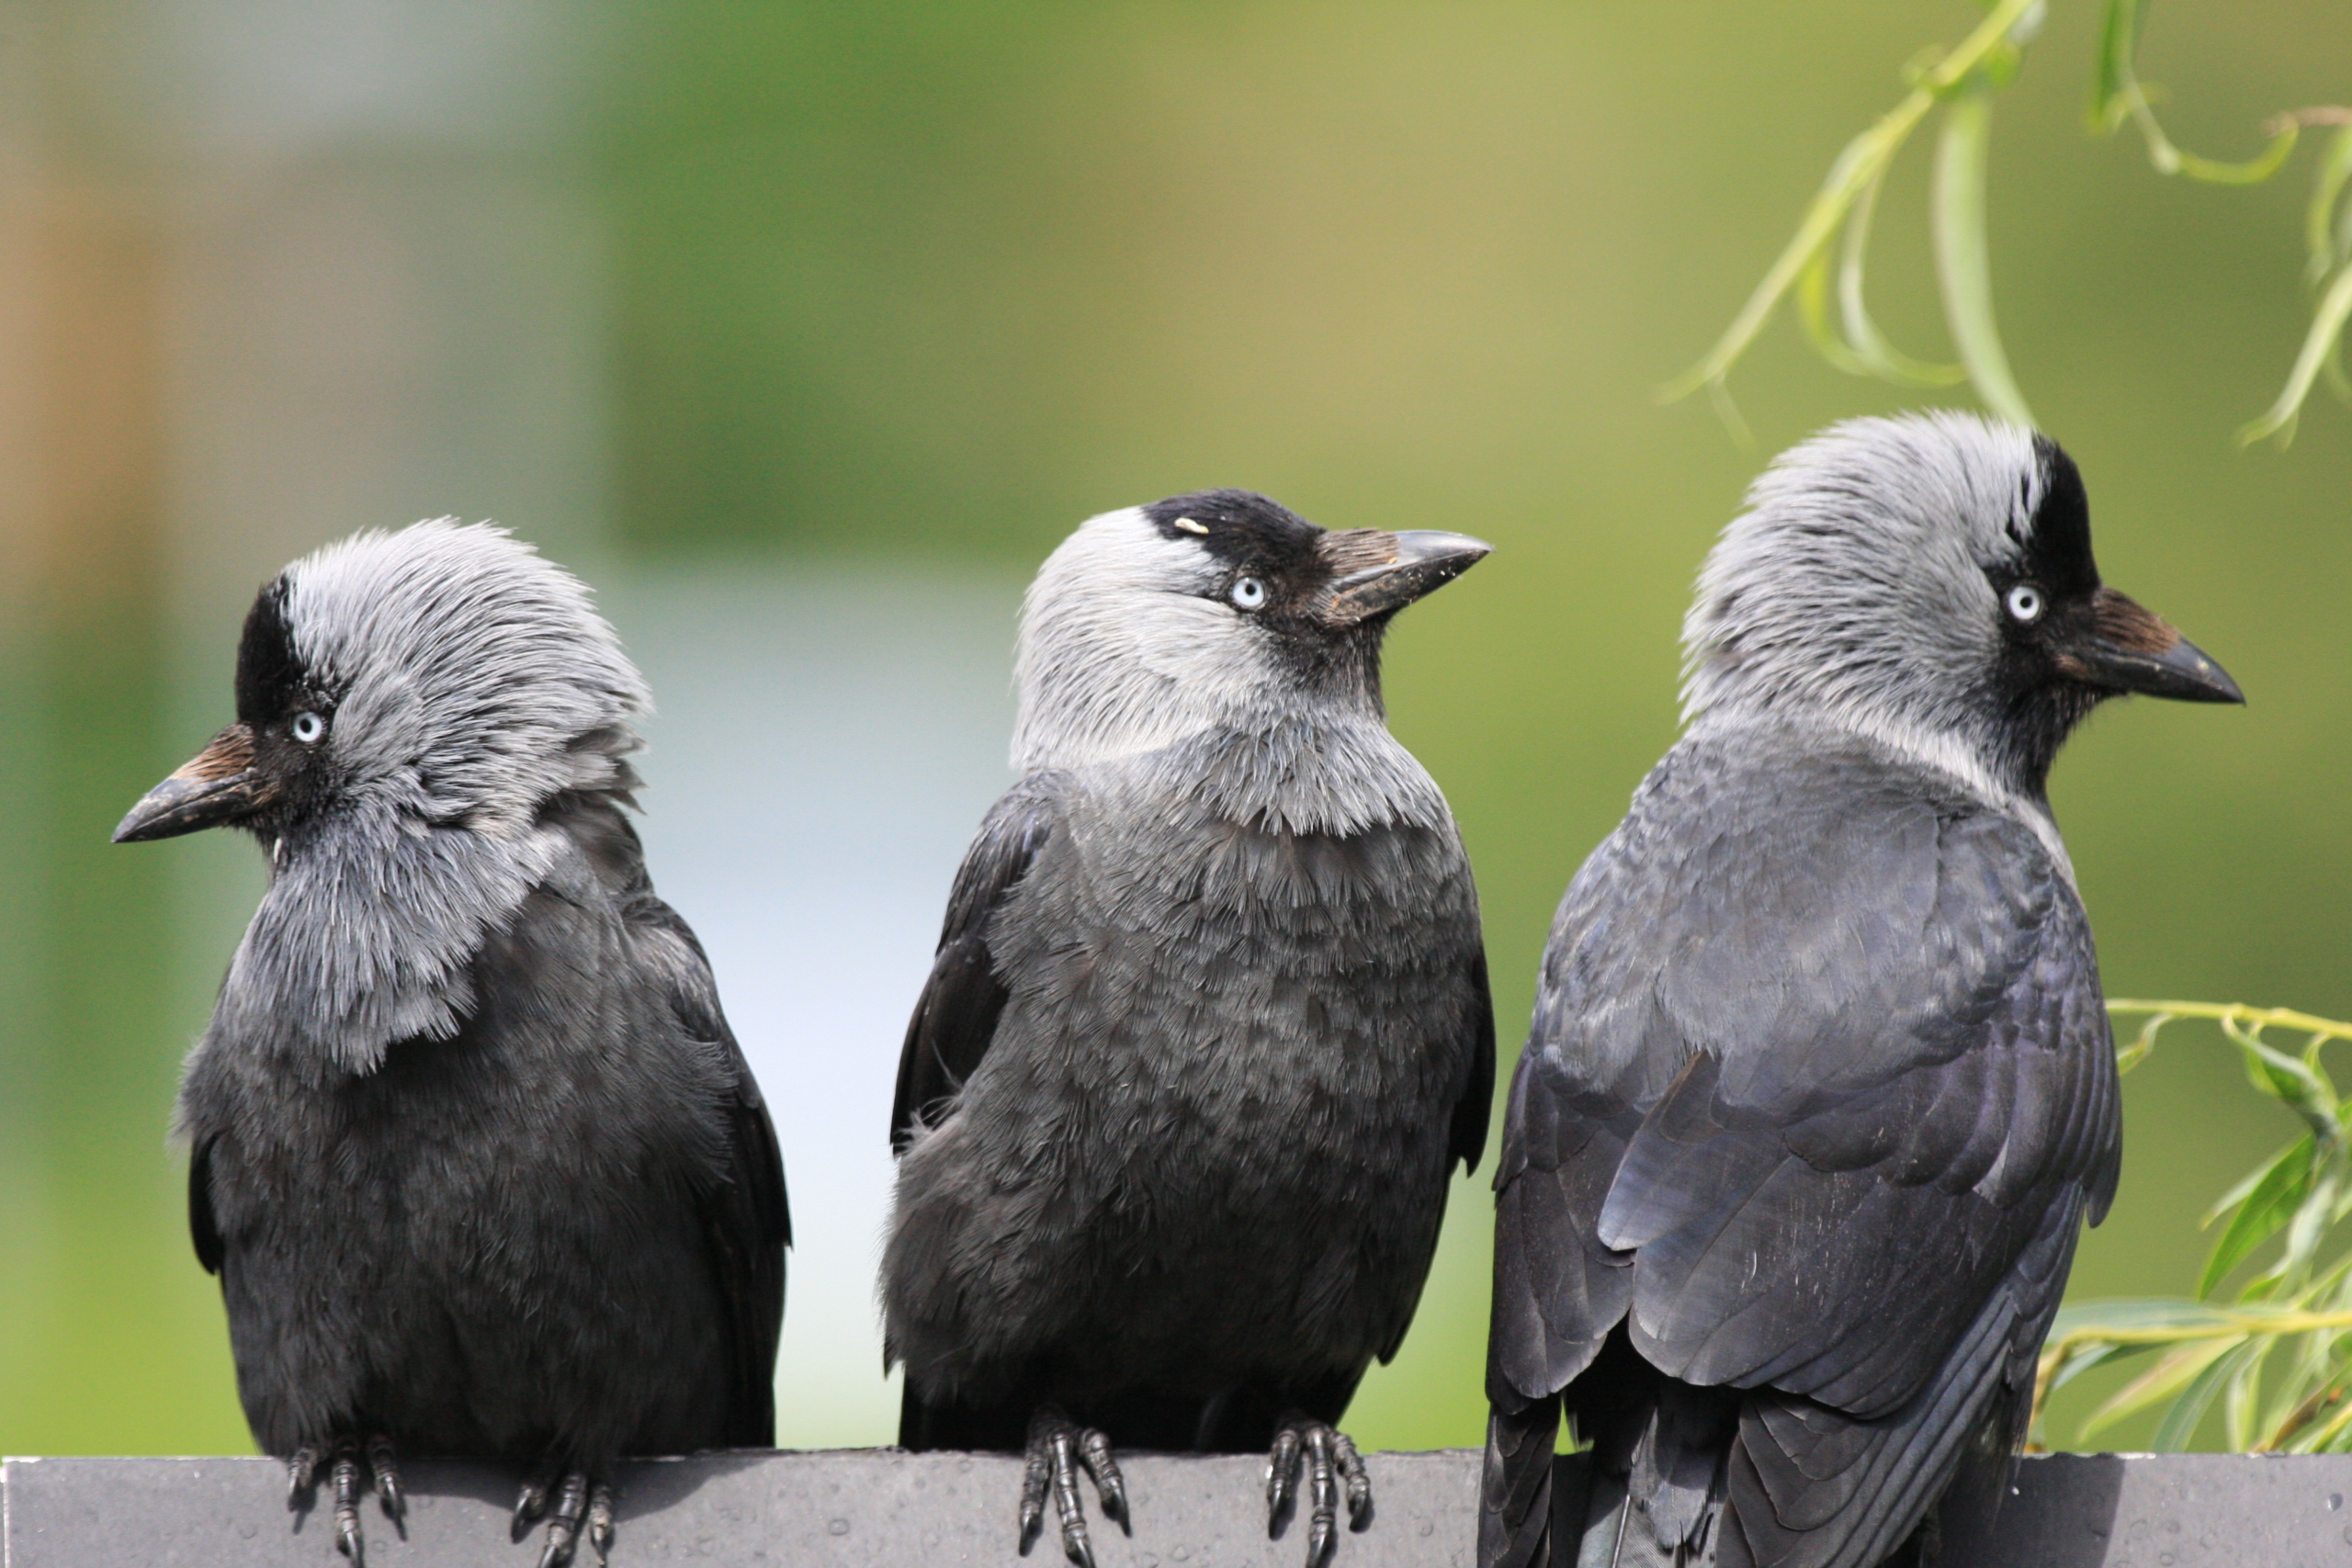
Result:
[[2124, 647], [217, 784], [1375, 572]]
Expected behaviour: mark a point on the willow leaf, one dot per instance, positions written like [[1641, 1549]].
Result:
[[2267, 1201], [2321, 237], [1878, 355], [1963, 262], [2176, 1370], [2327, 325]]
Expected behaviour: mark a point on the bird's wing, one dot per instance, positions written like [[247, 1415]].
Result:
[[203, 1225], [956, 1015], [1476, 1107], [1825, 1209], [1813, 1486], [745, 1215], [1818, 1061]]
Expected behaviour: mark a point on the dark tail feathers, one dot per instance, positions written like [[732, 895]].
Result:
[[1648, 1494]]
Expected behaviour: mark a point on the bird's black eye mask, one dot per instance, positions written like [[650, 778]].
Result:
[[275, 690], [287, 709], [2052, 575], [1271, 556]]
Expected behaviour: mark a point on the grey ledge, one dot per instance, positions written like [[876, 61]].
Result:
[[882, 1508]]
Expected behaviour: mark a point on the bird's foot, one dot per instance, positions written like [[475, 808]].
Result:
[[1332, 1461], [351, 1467], [570, 1501], [1058, 1449]]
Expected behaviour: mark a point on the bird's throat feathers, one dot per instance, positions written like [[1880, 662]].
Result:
[[410, 905], [1337, 776]]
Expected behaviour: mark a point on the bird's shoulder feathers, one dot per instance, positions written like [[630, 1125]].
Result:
[[955, 1017], [1813, 1026]]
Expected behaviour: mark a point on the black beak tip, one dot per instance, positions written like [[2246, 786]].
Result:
[[143, 824], [181, 805], [2201, 680]]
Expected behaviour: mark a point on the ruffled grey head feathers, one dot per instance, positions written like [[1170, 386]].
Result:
[[1856, 580], [464, 682], [1858, 590], [471, 678]]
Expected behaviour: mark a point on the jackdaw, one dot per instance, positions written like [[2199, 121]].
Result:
[[477, 1160], [1820, 1086], [1208, 1025]]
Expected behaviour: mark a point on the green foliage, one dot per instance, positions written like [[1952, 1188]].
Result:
[[1962, 84], [2277, 1356]]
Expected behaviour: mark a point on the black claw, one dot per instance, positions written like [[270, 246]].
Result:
[[530, 1502], [600, 1522], [563, 1521], [385, 1466], [347, 1539], [301, 1475]]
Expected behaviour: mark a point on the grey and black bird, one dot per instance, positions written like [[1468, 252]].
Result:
[[1208, 1026], [477, 1160], [1820, 1088]]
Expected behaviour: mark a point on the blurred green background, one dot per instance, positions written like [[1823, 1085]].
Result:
[[786, 295]]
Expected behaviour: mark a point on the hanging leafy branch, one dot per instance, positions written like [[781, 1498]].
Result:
[[2276, 1356], [1963, 84]]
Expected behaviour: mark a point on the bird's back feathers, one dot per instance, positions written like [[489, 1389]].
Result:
[[1819, 1091]]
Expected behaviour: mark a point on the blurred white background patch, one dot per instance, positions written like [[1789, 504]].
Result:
[[823, 749]]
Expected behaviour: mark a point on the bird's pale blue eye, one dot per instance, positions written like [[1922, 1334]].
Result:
[[2023, 603], [1247, 593], [308, 727]]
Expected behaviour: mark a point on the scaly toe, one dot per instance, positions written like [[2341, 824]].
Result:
[[1094, 1452], [301, 1476], [563, 1520], [384, 1464], [1281, 1476], [1358, 1483], [600, 1522], [347, 1539], [1331, 1463]]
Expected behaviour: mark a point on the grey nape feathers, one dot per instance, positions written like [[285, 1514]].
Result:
[[477, 1160], [1208, 1026], [1819, 1088]]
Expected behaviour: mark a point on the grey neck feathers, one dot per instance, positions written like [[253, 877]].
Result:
[[405, 926], [1335, 774], [368, 934]]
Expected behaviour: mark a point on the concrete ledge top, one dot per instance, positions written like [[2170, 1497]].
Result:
[[882, 1508]]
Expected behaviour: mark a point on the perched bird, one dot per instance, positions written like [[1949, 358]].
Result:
[[1820, 1086], [1208, 1025], [477, 1160]]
